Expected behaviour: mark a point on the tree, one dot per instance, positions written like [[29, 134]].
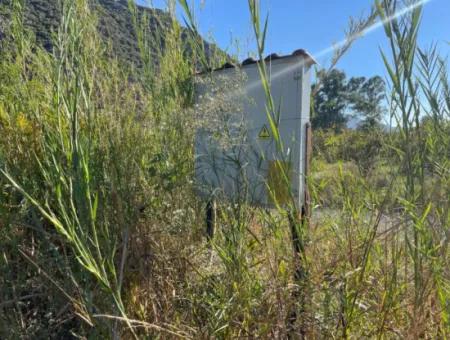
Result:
[[365, 97], [330, 100], [336, 98]]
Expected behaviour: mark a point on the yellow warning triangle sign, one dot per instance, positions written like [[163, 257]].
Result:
[[264, 133]]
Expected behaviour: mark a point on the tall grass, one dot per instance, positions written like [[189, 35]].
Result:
[[101, 233], [418, 79], [87, 133], [293, 212]]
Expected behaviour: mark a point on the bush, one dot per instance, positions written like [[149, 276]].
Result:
[[364, 148]]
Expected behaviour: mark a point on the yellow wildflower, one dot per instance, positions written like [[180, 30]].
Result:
[[23, 124]]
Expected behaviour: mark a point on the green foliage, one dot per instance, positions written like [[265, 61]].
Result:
[[82, 128], [414, 73], [101, 234], [365, 149], [366, 98], [336, 99], [330, 102]]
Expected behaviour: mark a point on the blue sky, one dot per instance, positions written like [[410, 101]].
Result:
[[313, 25]]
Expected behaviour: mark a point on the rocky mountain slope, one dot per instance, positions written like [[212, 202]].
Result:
[[115, 23]]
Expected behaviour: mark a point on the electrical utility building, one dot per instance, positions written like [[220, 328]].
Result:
[[238, 154]]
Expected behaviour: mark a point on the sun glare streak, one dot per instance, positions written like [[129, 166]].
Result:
[[342, 43]]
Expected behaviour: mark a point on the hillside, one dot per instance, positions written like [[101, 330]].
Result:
[[115, 23]]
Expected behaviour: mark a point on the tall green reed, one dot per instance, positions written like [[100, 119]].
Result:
[[72, 200], [419, 105]]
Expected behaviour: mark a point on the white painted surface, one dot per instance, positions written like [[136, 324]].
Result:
[[240, 168]]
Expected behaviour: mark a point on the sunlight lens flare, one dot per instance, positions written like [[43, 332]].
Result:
[[342, 43]]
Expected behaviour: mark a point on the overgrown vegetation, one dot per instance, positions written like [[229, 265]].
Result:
[[102, 235]]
